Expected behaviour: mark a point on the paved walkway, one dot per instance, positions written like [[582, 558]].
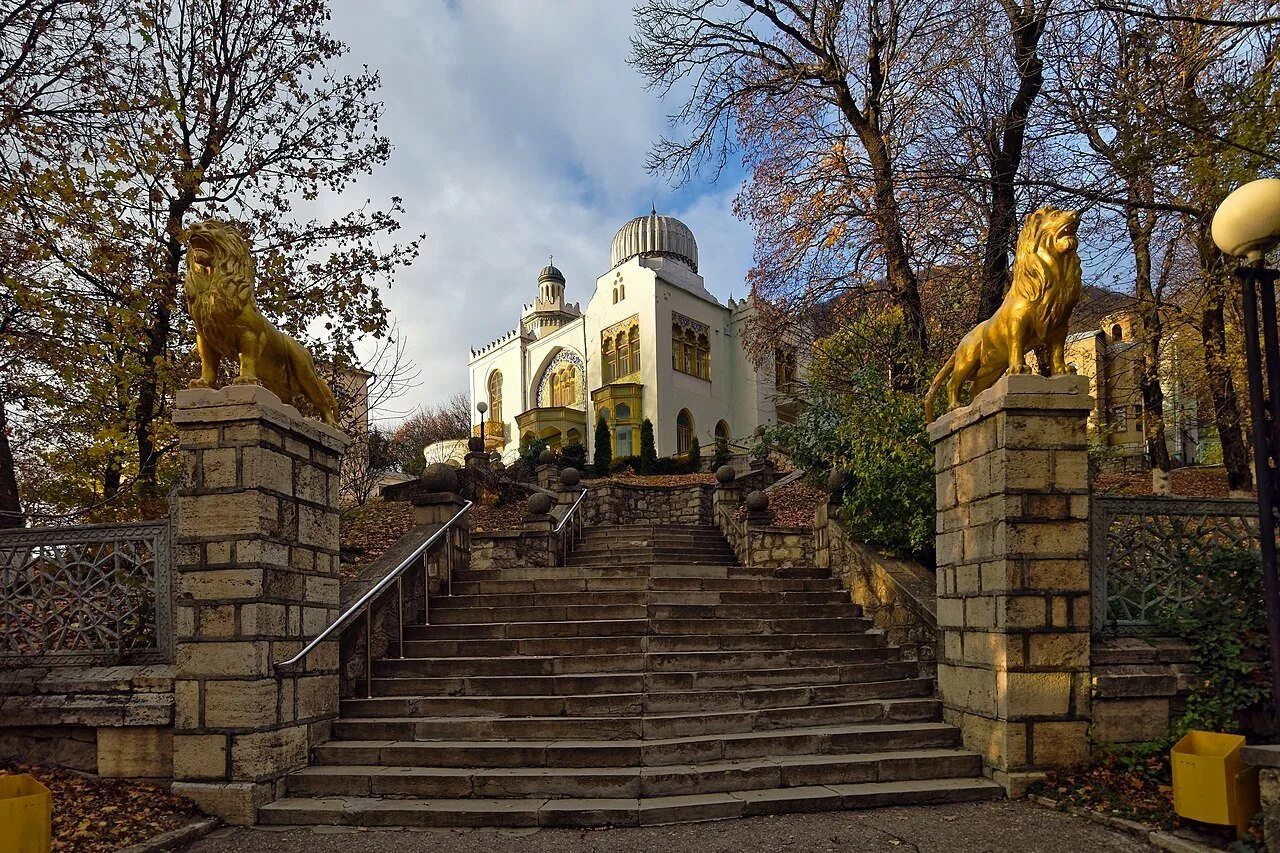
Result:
[[1000, 826]]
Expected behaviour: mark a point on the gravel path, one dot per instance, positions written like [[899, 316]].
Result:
[[1000, 826]]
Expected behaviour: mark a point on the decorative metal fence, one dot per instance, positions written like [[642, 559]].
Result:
[[97, 594], [1143, 553]]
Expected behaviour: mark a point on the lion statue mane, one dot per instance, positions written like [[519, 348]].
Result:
[[1035, 311], [219, 293]]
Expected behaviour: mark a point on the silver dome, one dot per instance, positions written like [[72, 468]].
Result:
[[663, 236]]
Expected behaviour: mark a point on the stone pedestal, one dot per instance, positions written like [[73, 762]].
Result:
[[1013, 574], [445, 557], [548, 476], [255, 576], [726, 498]]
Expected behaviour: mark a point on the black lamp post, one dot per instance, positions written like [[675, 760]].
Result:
[[482, 407], [1247, 225]]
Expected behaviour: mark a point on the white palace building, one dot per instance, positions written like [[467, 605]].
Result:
[[652, 343]]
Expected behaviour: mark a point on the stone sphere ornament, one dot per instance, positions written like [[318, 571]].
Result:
[[440, 477], [757, 502], [726, 474], [539, 503], [475, 444], [546, 457], [570, 477], [1247, 223], [836, 480]]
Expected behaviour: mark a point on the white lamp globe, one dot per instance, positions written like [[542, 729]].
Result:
[[482, 407], [1247, 223]]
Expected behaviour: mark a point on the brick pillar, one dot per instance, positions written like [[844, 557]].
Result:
[[256, 575], [1013, 574]]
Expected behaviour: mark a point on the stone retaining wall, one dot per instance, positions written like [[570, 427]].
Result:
[[628, 503], [897, 595], [495, 549], [116, 721]]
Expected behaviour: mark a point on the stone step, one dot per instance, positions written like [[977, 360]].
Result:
[[637, 643], [654, 570], [534, 811], [648, 811], [635, 682], [642, 560], [637, 626], [640, 596], [787, 771], [648, 727], [632, 704], [688, 661], [815, 740], [561, 609], [690, 584], [528, 630]]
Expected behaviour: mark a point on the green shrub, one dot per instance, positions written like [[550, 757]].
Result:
[[603, 449], [878, 437], [694, 457], [722, 453], [573, 456], [526, 465], [1227, 632], [648, 449]]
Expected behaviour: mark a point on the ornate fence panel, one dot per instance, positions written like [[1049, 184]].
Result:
[[97, 594], [1143, 552]]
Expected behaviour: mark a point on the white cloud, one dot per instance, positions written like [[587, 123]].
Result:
[[519, 131]]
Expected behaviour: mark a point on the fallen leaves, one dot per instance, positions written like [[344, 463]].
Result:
[[1199, 481], [92, 815], [365, 531]]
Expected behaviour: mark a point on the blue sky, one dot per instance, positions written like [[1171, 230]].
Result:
[[519, 132]]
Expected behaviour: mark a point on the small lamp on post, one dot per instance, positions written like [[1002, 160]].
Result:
[[482, 407], [1247, 225]]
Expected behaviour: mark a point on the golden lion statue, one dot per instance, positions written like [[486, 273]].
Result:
[[219, 291], [1035, 311]]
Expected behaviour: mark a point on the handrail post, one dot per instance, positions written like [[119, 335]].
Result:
[[400, 605], [426, 590], [368, 652]]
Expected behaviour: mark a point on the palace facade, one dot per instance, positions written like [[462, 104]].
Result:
[[652, 343]]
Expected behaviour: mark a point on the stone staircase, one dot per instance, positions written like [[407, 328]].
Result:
[[652, 680]]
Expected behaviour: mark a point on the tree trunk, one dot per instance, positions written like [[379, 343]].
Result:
[[1151, 330], [1226, 408], [1217, 368], [1006, 144], [10, 505], [151, 389]]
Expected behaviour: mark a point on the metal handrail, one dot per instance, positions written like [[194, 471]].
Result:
[[566, 544], [396, 575]]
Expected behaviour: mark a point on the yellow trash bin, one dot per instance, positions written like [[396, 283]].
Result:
[[1211, 783], [26, 812]]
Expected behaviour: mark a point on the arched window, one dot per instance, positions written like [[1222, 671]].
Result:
[[495, 396], [606, 359], [684, 431], [615, 296], [1117, 333], [622, 291], [677, 347], [633, 338], [722, 431], [623, 349], [564, 386], [704, 357]]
